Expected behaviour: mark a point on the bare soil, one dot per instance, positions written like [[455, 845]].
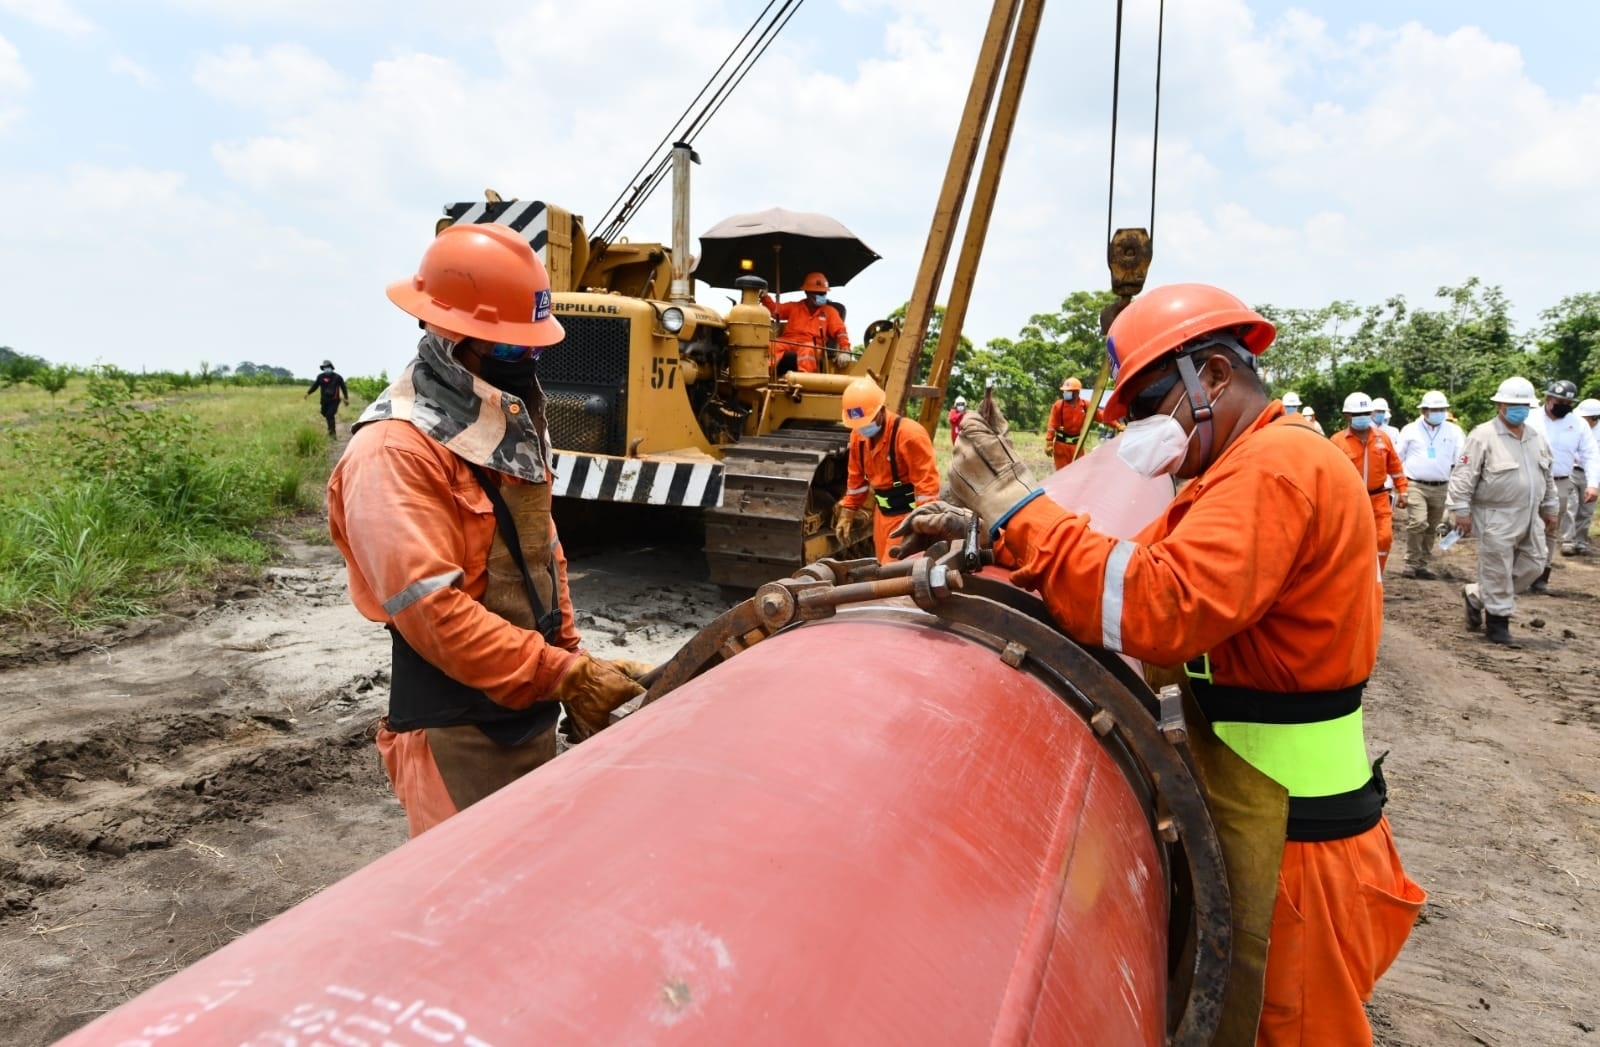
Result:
[[167, 787]]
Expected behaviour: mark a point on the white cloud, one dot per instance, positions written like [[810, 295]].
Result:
[[283, 79], [55, 15], [14, 80], [122, 65]]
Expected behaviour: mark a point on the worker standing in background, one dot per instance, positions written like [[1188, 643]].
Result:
[[1583, 509], [1380, 420], [1068, 416], [1291, 402], [1260, 576], [890, 461], [1370, 451], [441, 507], [1310, 415], [1428, 448], [1501, 489], [811, 328], [1574, 458], [958, 412], [331, 384]]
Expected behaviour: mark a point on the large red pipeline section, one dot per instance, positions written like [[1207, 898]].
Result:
[[881, 826]]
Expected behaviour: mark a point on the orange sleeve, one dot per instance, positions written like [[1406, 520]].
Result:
[[1165, 598], [770, 302], [1056, 420], [856, 488], [411, 538]]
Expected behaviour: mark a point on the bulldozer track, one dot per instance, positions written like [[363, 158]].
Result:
[[778, 492]]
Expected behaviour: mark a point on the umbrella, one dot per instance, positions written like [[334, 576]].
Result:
[[782, 246]]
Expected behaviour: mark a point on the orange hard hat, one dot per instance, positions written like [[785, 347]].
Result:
[[1073, 385], [815, 283], [861, 401], [1165, 319], [482, 281]]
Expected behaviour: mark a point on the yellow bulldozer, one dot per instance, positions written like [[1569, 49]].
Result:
[[655, 399]]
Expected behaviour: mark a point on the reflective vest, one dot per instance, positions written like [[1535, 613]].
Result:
[[1312, 744]]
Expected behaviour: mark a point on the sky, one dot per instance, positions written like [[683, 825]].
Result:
[[232, 180]]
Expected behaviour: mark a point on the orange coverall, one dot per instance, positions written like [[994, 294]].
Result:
[[437, 525], [1375, 460], [873, 475], [806, 333], [1266, 562], [1066, 422]]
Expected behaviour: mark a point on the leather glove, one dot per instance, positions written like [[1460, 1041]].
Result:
[[986, 475], [589, 690], [932, 522], [849, 524], [633, 670]]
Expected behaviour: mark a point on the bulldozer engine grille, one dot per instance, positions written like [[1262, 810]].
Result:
[[585, 379]]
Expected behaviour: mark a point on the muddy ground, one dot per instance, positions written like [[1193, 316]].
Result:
[[165, 788]]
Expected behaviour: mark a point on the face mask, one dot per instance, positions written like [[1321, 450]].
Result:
[[1517, 414], [1361, 422], [1154, 446], [513, 376], [870, 430], [1292, 410], [819, 299], [1560, 410], [1069, 397], [1435, 417], [325, 370], [1379, 418]]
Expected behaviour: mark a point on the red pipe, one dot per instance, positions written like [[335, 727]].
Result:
[[861, 830]]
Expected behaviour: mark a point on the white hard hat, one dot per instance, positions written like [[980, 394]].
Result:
[[1358, 403], [1589, 408], [1291, 399], [1433, 400], [1310, 412], [1515, 390], [961, 401], [1380, 404]]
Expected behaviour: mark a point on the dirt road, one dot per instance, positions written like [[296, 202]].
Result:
[[165, 793]]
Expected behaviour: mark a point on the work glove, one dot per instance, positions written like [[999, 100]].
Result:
[[589, 690], [986, 475], [633, 670], [849, 525], [930, 523]]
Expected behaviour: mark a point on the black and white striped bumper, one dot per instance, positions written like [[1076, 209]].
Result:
[[606, 479]]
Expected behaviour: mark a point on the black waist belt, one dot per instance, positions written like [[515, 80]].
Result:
[[1430, 483], [1376, 490], [897, 499], [1311, 818], [1062, 438], [422, 695], [1567, 477]]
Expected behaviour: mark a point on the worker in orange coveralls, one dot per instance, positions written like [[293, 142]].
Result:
[[891, 461], [441, 507], [811, 328], [1260, 578], [1370, 451], [1068, 415]]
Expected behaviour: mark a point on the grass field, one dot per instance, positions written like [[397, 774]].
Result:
[[111, 497]]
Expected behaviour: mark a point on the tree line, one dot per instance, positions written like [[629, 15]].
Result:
[[1463, 342], [21, 369]]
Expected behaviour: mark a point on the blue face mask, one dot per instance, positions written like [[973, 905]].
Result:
[[1291, 410], [1435, 417], [870, 430], [818, 299], [1517, 414], [1379, 418], [1361, 422]]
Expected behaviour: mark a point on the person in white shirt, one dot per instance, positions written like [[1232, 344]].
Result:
[[1380, 420], [1589, 411], [1427, 447], [1572, 445]]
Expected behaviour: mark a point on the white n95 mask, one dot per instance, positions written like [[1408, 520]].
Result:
[[1155, 446]]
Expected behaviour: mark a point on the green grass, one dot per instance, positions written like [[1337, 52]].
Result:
[[1029, 445], [110, 499]]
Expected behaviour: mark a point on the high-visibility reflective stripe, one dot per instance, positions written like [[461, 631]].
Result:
[[1308, 759], [1111, 596], [417, 590]]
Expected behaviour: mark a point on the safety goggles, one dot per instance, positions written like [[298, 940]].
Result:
[[1149, 399], [512, 353]]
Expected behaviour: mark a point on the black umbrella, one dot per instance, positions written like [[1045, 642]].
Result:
[[781, 247]]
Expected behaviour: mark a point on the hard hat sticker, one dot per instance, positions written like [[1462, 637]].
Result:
[[1111, 351], [854, 412], [541, 305]]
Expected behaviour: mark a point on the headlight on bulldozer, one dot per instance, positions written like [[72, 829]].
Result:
[[672, 319]]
